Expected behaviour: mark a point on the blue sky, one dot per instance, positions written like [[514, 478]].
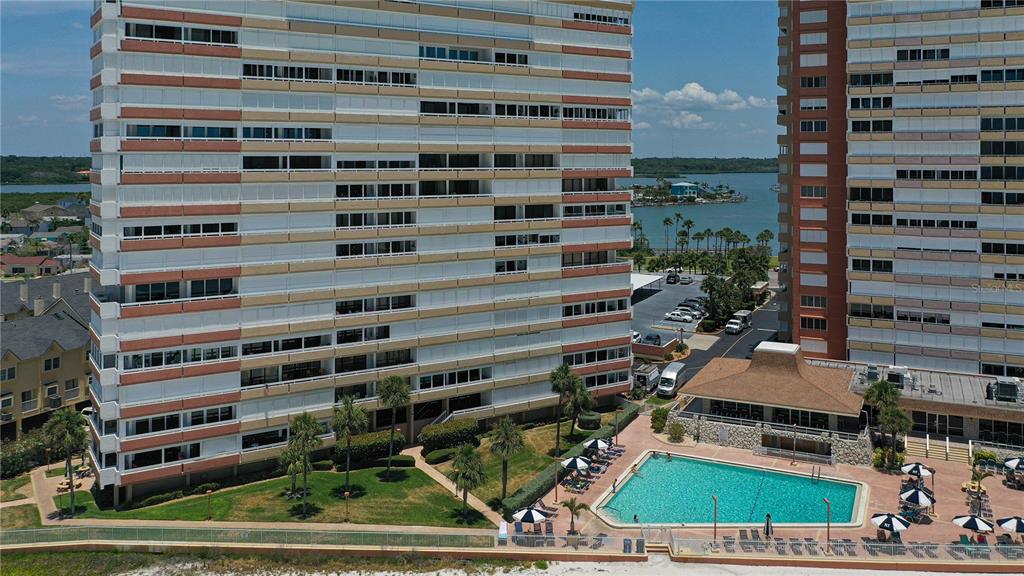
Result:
[[703, 78]]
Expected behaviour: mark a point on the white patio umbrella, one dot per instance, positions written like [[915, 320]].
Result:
[[973, 523], [916, 469], [576, 463], [595, 444], [917, 497], [530, 515], [890, 522], [1015, 463], [1012, 524]]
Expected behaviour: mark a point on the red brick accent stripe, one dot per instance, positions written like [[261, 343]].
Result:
[[586, 296], [594, 222], [598, 319], [580, 198], [595, 271], [579, 347]]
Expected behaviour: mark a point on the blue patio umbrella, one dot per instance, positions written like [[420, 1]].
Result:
[[1012, 524], [973, 523], [890, 522], [530, 516], [917, 469], [577, 463], [595, 444], [918, 497]]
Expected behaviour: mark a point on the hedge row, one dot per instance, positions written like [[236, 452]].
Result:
[[590, 421], [24, 454], [537, 486], [397, 461], [438, 456], [370, 446], [448, 434]]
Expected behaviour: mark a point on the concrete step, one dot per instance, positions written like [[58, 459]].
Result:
[[916, 448]]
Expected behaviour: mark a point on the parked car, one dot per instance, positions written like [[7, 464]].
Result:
[[678, 316], [637, 337], [686, 279], [671, 379], [695, 301], [696, 313], [733, 327], [653, 339], [672, 278]]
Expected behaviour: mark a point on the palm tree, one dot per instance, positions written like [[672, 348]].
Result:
[[708, 235], [682, 239], [895, 421], [65, 432], [765, 236], [349, 420], [394, 394], [291, 461], [697, 237], [577, 401], [506, 443], [305, 438], [678, 218], [637, 228], [467, 472], [574, 509], [667, 223], [977, 476], [562, 379], [688, 224]]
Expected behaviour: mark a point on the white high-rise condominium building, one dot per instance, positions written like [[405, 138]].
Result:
[[293, 200], [936, 184]]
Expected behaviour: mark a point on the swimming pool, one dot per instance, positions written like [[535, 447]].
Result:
[[679, 491]]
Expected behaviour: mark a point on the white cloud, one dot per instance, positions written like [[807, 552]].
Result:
[[685, 119], [78, 25], [641, 125], [693, 96], [65, 102], [28, 119]]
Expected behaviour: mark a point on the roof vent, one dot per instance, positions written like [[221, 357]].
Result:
[[1005, 389]]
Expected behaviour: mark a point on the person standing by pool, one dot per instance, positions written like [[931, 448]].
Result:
[[636, 519], [615, 484]]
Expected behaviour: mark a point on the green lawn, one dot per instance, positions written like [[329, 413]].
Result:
[[54, 472], [26, 516], [12, 488], [539, 451], [412, 498], [655, 400]]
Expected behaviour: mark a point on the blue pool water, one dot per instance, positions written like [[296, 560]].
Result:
[[678, 491]]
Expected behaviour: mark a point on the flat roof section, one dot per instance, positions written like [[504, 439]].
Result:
[[639, 281]]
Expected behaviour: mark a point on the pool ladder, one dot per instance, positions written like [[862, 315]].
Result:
[[815, 472]]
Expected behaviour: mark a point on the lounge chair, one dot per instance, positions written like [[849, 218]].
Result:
[[745, 541], [780, 546], [730, 544], [519, 536], [794, 544], [549, 533], [812, 546]]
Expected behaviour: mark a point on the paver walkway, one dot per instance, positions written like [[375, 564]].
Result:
[[476, 503]]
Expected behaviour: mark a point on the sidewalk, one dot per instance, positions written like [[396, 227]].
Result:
[[441, 479]]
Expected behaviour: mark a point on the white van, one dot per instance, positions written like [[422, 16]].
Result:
[[671, 379], [744, 317]]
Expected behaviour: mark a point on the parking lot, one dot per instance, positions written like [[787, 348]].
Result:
[[651, 305]]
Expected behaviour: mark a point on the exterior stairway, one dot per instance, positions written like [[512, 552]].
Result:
[[916, 450]]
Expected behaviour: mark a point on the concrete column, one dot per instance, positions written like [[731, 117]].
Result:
[[117, 496]]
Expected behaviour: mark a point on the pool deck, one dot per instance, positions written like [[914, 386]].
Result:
[[881, 494]]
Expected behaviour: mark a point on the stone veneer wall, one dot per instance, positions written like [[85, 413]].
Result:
[[855, 452]]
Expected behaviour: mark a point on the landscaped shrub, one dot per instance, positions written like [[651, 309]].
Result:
[[370, 446], [323, 465], [438, 456], [658, 419], [880, 459], [708, 325], [448, 434], [23, 454], [543, 481], [397, 461], [202, 488], [161, 498], [681, 347], [675, 431], [590, 421], [984, 455]]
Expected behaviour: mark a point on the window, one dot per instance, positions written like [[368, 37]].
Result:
[[813, 125], [509, 266], [153, 424], [813, 301], [454, 378], [860, 219], [813, 81], [525, 239], [812, 191], [594, 356], [813, 103], [871, 103], [364, 334], [866, 265], [8, 373], [1002, 248], [446, 53], [871, 194], [916, 54], [208, 288], [871, 126], [599, 307], [7, 400], [211, 415], [1011, 124], [1003, 198], [71, 387], [813, 16], [1000, 148], [380, 304], [1004, 173], [808, 38], [940, 174], [812, 60], [51, 363], [1009, 75], [813, 148], [157, 291], [813, 323], [511, 58], [874, 79], [386, 247]]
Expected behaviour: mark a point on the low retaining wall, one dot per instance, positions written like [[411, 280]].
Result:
[[655, 352], [857, 564], [856, 452]]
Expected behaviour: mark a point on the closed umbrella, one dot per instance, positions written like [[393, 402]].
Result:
[[917, 469], [890, 522], [1012, 524], [1015, 463], [769, 528], [918, 497], [973, 523], [576, 463], [530, 516], [595, 444]]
